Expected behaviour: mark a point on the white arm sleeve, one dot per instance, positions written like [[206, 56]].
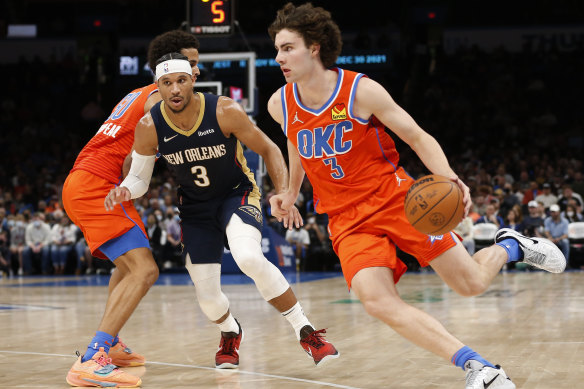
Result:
[[138, 178]]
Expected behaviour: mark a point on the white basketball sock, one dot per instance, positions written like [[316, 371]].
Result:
[[296, 318], [229, 325]]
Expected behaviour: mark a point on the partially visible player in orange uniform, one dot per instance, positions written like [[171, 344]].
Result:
[[335, 121], [117, 235]]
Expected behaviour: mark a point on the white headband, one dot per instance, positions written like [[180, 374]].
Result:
[[173, 66]]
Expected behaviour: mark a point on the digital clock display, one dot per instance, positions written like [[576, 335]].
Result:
[[211, 17]]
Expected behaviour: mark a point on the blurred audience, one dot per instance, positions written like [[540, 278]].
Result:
[[517, 148]]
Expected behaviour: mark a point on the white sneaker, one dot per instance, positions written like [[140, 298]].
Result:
[[538, 252], [479, 376]]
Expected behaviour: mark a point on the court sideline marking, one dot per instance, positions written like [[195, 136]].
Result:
[[202, 368]]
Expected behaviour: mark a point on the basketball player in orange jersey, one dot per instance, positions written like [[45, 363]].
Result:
[[117, 235], [335, 122], [199, 135]]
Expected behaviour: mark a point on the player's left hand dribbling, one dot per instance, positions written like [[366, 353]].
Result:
[[116, 196]]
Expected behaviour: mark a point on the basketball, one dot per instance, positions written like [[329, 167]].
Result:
[[433, 205]]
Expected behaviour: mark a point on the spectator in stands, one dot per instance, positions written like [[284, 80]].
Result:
[[299, 238], [167, 201], [517, 192], [487, 192], [315, 252], [173, 246], [4, 221], [578, 183], [159, 215], [63, 237], [514, 219], [38, 242], [507, 200], [571, 213], [155, 205], [479, 206], [556, 230], [533, 222], [502, 177], [42, 207], [17, 240], [567, 195], [464, 229], [491, 216], [53, 206], [154, 236], [547, 197], [531, 193], [5, 266], [84, 257], [523, 183]]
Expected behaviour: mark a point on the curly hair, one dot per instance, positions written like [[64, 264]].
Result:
[[169, 56], [170, 42], [315, 25]]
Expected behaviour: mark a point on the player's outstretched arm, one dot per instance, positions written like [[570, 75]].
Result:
[[373, 99], [234, 122], [143, 157], [283, 202], [152, 99]]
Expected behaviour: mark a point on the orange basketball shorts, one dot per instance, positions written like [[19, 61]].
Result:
[[366, 234], [83, 197]]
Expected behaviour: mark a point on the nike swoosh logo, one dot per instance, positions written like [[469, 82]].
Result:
[[487, 384], [171, 138]]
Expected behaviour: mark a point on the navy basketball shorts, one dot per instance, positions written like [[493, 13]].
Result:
[[204, 223]]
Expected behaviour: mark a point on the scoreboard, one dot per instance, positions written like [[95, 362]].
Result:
[[211, 17]]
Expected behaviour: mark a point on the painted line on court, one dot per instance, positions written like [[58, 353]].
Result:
[[201, 368], [557, 342]]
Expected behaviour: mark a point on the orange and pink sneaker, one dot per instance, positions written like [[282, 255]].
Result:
[[122, 356], [99, 372]]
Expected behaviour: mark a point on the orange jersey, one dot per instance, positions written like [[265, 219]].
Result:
[[345, 157], [104, 154]]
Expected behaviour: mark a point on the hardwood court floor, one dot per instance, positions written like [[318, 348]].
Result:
[[531, 323]]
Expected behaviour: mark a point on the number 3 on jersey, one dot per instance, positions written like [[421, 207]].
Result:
[[201, 173], [335, 167]]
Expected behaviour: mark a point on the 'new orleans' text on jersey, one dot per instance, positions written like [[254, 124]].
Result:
[[206, 164]]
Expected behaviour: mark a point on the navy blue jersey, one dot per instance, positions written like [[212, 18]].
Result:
[[206, 164]]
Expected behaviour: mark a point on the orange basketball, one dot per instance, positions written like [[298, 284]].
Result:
[[433, 205]]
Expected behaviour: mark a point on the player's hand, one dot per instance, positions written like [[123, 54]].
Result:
[[466, 200], [282, 207], [117, 195], [293, 219]]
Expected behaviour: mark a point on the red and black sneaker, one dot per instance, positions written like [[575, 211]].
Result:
[[316, 346], [227, 356]]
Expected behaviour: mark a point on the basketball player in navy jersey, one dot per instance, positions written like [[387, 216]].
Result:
[[199, 135]]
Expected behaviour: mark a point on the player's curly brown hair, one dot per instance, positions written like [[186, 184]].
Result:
[[315, 25], [170, 42]]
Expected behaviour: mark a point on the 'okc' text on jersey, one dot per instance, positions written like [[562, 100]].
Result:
[[315, 143]]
